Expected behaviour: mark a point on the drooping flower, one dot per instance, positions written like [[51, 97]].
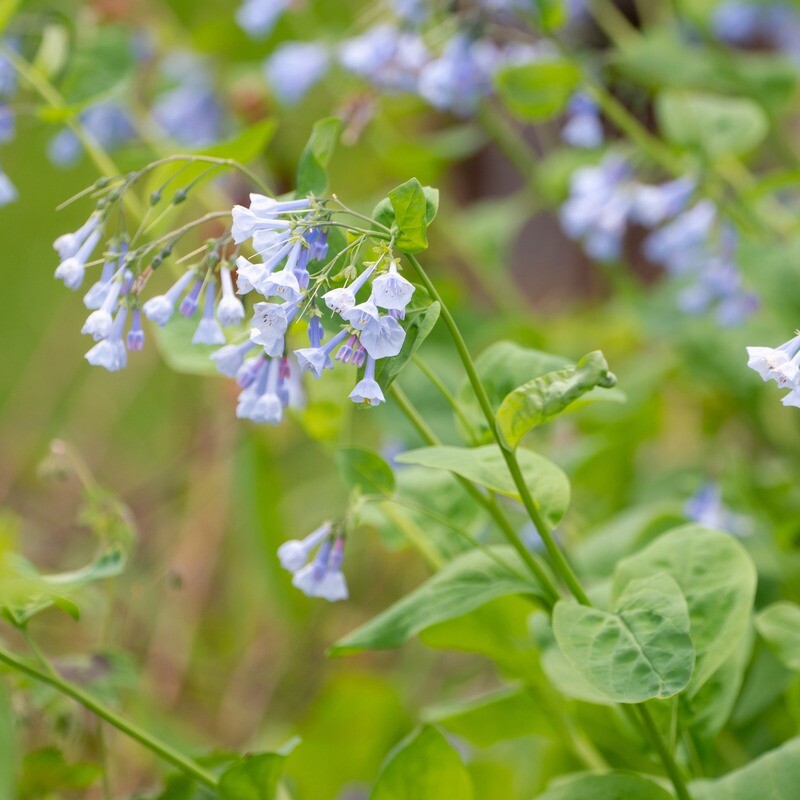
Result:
[[270, 323], [98, 323], [191, 302], [110, 353], [294, 68], [230, 310], [134, 341], [264, 214], [384, 338], [7, 123], [771, 362], [317, 359], [367, 389], [295, 553], [159, 309], [72, 269], [655, 204], [229, 359], [68, 244], [209, 331], [343, 299], [583, 128], [391, 290], [323, 576]]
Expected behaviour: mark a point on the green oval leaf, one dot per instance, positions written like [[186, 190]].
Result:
[[410, 216], [423, 767], [312, 170], [539, 90], [253, 778], [486, 466], [465, 583], [365, 470], [779, 625], [547, 396], [718, 580], [614, 786], [639, 651]]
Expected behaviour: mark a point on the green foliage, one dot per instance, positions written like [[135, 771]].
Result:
[[486, 467], [718, 580], [614, 786], [312, 170], [467, 582], [174, 342], [8, 747], [254, 777], [410, 211], [418, 328], [46, 771], [539, 90], [779, 625], [545, 397], [638, 651], [364, 470], [717, 126], [423, 767]]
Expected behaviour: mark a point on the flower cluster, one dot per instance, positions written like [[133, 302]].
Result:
[[688, 239], [321, 576], [780, 364], [286, 236]]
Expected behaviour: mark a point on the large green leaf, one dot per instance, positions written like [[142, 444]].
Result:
[[718, 580], [423, 767], [174, 342], [613, 786], [418, 328], [365, 470], [775, 775], [486, 466], [639, 651], [462, 585], [253, 778], [779, 625], [410, 210], [538, 90], [504, 714], [312, 171], [547, 396], [714, 124]]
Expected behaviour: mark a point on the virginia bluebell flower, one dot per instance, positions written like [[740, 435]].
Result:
[[209, 331], [8, 73], [8, 192], [258, 17], [413, 12], [317, 359], [779, 364], [676, 244], [323, 576], [134, 341], [159, 309], [344, 298], [107, 122], [391, 290], [367, 389], [583, 128], [706, 508], [385, 56], [113, 263], [230, 310], [98, 323], [270, 323], [7, 123], [229, 359], [191, 302], [742, 23], [68, 244], [293, 68], [384, 338], [264, 214], [72, 268], [110, 353], [655, 204], [295, 553]]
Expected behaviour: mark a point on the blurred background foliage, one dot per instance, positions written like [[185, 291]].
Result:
[[203, 635]]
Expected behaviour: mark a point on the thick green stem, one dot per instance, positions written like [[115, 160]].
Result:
[[161, 749], [488, 503], [558, 560], [664, 754]]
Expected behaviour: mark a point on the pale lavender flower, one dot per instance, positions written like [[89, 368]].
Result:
[[264, 214], [295, 553], [706, 508], [294, 68], [72, 269], [94, 298], [191, 302], [209, 331], [107, 122], [583, 128], [7, 123], [655, 204], [383, 339], [367, 389], [68, 244], [316, 333], [98, 323], [160, 309], [229, 359], [323, 576], [258, 17], [363, 314], [268, 409], [391, 290], [270, 323], [230, 310], [110, 353], [248, 373], [8, 192], [317, 359], [343, 299], [134, 341], [770, 362], [8, 73], [676, 244]]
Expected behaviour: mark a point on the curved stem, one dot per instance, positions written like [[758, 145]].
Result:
[[488, 502], [663, 751], [161, 749]]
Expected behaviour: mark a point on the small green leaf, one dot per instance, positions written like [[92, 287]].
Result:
[[639, 651], [612, 786], [410, 216], [779, 625], [365, 470], [174, 342], [425, 766], [465, 583], [775, 775], [486, 466], [715, 124], [253, 778], [312, 171], [539, 90], [551, 14], [547, 396], [718, 579], [418, 329]]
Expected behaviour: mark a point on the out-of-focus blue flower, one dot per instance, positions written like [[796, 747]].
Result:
[[412, 11], [294, 68], [258, 17], [741, 23], [706, 508], [295, 553], [159, 309], [583, 128], [7, 123], [681, 242], [600, 202], [8, 192], [655, 204], [8, 75], [387, 57], [107, 122], [462, 76], [323, 576], [110, 353]]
